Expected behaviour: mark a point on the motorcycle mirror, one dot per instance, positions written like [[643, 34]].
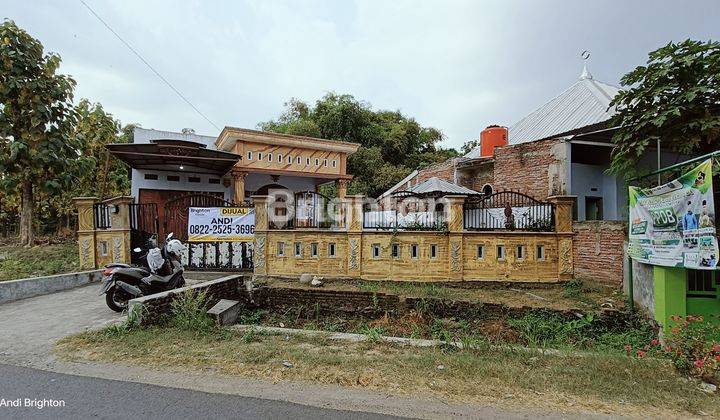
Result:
[[170, 235], [137, 249]]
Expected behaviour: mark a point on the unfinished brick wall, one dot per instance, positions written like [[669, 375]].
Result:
[[537, 168], [598, 250], [443, 170]]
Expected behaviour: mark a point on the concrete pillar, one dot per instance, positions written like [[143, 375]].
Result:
[[238, 186], [86, 231], [564, 230], [261, 231], [342, 185], [454, 217], [117, 238], [354, 223], [670, 299]]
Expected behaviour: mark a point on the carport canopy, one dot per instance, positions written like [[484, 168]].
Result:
[[174, 155]]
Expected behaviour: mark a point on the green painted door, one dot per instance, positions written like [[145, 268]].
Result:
[[702, 293]]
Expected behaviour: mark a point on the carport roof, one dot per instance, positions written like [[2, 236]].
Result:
[[174, 155]]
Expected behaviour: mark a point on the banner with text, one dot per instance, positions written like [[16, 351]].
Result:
[[221, 224], [674, 224]]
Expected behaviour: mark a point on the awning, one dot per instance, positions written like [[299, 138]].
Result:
[[174, 155]]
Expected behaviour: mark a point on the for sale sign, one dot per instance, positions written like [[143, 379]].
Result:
[[674, 224], [221, 224]]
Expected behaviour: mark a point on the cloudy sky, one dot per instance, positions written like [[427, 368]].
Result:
[[454, 65]]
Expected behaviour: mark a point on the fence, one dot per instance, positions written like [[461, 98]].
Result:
[[508, 210], [306, 209], [101, 215]]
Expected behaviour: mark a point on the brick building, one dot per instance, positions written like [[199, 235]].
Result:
[[561, 148]]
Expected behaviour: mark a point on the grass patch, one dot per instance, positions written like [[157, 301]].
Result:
[[601, 383], [42, 260]]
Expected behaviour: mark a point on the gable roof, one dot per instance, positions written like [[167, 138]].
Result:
[[436, 185], [584, 103]]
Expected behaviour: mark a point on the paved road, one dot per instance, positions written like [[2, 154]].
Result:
[[85, 397]]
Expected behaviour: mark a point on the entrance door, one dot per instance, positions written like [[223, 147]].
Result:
[[218, 256]]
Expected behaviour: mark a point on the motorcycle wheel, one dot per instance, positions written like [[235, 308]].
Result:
[[117, 299]]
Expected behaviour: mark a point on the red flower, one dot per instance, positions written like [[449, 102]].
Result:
[[699, 363], [717, 358], [655, 342], [640, 354], [668, 349]]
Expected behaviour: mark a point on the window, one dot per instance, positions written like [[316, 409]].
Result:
[[433, 251], [540, 252], [520, 252], [173, 178], [414, 251], [376, 250], [151, 176], [480, 252], [298, 160], [700, 283], [334, 163], [103, 248], [193, 179], [289, 160], [214, 181], [487, 189], [317, 162], [325, 163], [298, 249], [307, 162], [259, 155], [314, 250], [249, 155], [280, 158], [281, 249], [331, 249], [395, 250], [501, 252], [593, 208], [270, 157]]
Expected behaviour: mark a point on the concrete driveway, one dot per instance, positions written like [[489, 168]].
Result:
[[29, 327]]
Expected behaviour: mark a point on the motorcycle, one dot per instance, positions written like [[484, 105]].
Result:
[[163, 270]]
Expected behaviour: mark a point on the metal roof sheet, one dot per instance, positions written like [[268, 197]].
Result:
[[437, 185], [584, 103]]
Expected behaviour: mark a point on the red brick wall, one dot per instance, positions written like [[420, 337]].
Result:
[[530, 168], [598, 251], [443, 170]]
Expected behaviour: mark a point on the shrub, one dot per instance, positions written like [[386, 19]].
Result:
[[189, 313]]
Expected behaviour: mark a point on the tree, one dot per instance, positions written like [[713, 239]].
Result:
[[675, 98], [36, 122], [391, 144], [468, 146]]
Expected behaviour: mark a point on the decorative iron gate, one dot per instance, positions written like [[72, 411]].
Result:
[[220, 256], [508, 210], [143, 226]]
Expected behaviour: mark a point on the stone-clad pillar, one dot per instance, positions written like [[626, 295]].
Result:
[[117, 237], [354, 223], [342, 185], [454, 217], [86, 231], [238, 186], [564, 230], [261, 230]]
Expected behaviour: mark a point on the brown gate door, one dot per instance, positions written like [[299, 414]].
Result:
[[220, 256]]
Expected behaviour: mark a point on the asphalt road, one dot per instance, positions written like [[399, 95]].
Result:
[[86, 397]]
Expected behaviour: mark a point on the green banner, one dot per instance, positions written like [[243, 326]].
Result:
[[674, 224]]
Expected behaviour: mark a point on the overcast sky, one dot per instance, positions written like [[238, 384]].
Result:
[[455, 65]]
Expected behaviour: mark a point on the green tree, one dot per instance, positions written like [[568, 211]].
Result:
[[675, 98], [468, 146], [36, 122], [391, 144]]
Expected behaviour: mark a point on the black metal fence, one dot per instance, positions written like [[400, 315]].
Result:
[[101, 214], [508, 210], [408, 212], [305, 209]]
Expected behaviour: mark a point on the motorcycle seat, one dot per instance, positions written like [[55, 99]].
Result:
[[154, 278]]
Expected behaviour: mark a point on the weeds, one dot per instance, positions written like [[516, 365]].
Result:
[[189, 313], [374, 334]]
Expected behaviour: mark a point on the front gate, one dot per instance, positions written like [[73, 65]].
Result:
[[210, 256], [143, 227]]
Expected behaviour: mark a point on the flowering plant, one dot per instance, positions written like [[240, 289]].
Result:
[[693, 345]]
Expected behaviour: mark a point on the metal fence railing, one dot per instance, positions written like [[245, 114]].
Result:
[[508, 210], [306, 209], [101, 214]]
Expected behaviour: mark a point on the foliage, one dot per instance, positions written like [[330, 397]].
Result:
[[42, 260], [36, 122], [693, 346], [189, 312], [675, 98], [468, 146], [391, 144]]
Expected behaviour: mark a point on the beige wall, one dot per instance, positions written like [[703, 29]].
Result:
[[242, 148]]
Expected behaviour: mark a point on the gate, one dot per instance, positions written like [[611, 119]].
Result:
[[219, 256], [508, 210], [143, 226]]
